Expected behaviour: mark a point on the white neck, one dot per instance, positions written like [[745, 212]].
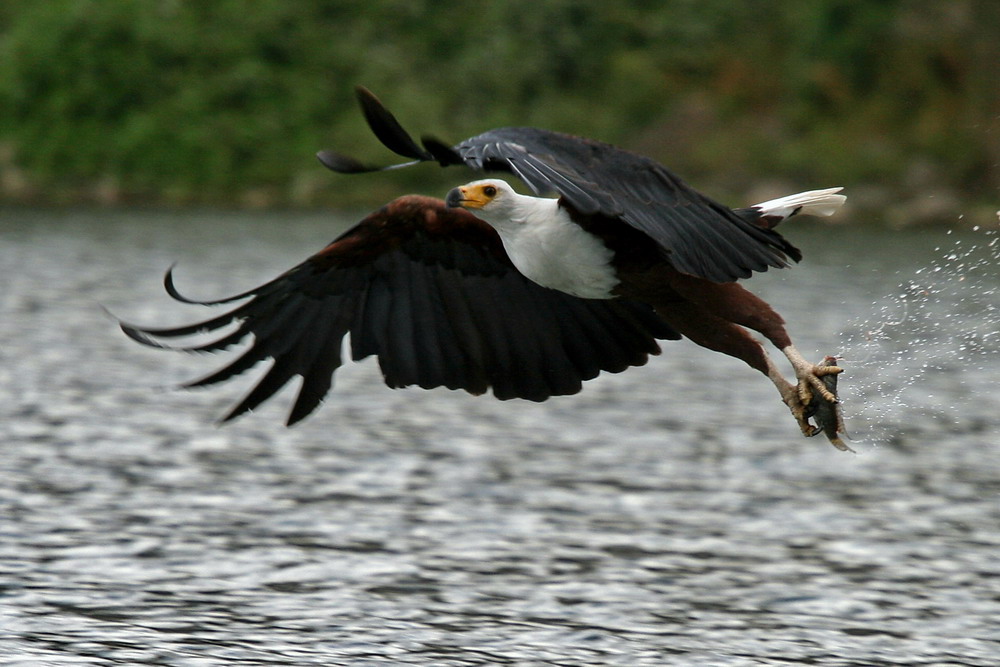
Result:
[[549, 248]]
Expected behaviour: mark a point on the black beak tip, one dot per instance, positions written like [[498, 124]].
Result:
[[454, 198]]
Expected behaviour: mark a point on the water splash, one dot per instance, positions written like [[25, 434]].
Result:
[[938, 335]]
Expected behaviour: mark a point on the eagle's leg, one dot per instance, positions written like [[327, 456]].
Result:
[[715, 333], [729, 305]]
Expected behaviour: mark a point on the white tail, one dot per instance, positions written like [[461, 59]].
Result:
[[814, 202]]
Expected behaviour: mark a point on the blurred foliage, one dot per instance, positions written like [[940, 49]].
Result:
[[179, 101]]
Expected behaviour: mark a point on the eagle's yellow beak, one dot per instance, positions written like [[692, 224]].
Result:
[[470, 196]]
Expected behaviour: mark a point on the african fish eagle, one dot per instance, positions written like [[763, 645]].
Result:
[[527, 296]]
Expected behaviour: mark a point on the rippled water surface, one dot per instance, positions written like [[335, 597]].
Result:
[[671, 515]]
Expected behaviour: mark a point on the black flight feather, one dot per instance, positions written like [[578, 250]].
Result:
[[429, 291]]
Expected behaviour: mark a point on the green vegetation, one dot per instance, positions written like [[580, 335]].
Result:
[[176, 101]]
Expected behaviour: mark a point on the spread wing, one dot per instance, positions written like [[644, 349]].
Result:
[[699, 236], [430, 292]]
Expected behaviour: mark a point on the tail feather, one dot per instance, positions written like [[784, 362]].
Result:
[[814, 202]]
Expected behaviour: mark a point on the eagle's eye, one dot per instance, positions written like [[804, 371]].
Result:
[[490, 191]]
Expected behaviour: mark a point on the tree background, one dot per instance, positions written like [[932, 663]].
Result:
[[180, 102]]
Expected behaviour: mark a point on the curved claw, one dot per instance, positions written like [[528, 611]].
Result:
[[811, 379]]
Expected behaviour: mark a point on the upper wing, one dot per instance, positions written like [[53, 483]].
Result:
[[701, 237], [429, 291]]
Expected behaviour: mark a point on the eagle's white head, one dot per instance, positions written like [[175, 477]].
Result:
[[494, 201]]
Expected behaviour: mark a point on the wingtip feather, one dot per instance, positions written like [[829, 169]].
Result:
[[344, 164], [386, 128]]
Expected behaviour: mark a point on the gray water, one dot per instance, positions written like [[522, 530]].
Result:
[[670, 515]]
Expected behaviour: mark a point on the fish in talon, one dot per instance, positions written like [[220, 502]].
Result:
[[828, 415]]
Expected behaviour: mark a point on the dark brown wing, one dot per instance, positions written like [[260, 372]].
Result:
[[699, 236], [430, 292]]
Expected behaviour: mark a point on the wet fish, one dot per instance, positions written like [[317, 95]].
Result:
[[828, 416]]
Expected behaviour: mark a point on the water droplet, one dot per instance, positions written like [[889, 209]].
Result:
[[949, 318]]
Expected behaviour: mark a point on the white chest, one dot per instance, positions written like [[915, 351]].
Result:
[[553, 251]]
